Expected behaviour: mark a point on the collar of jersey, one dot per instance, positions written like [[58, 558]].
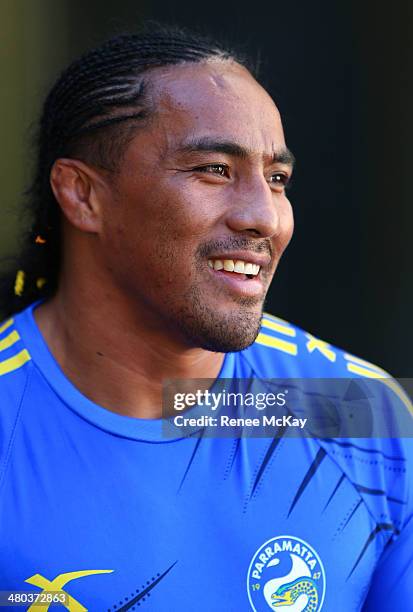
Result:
[[149, 430]]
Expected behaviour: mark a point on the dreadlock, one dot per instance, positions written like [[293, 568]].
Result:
[[91, 113]]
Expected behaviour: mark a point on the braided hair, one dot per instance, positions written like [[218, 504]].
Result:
[[91, 113]]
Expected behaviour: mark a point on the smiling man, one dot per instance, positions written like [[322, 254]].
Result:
[[160, 215]]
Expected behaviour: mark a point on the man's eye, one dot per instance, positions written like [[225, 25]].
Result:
[[220, 169], [279, 178]]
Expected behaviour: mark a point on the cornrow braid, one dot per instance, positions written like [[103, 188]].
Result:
[[92, 112]]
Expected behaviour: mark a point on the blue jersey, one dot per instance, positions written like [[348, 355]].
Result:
[[105, 512]]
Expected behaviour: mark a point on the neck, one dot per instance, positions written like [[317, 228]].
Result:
[[116, 353]]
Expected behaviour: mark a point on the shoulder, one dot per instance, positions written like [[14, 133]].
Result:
[[368, 407], [282, 348], [285, 351], [14, 369], [14, 358]]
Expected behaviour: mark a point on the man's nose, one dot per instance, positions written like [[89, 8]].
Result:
[[255, 209]]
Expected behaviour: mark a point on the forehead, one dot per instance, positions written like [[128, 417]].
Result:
[[215, 98]]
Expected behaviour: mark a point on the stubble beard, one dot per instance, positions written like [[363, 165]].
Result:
[[213, 330]]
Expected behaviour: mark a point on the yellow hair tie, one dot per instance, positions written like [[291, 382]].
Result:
[[19, 283]]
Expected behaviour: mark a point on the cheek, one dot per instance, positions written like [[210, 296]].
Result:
[[152, 250], [173, 209], [154, 237]]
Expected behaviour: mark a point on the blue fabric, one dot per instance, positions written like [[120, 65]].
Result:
[[196, 523]]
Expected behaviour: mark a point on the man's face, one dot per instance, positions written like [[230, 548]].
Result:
[[201, 187]]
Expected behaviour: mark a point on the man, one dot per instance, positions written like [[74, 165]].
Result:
[[160, 216]]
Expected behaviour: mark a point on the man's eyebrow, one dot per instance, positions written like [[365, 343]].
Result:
[[284, 156], [210, 145]]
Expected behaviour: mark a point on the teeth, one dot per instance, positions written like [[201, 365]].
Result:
[[238, 266]]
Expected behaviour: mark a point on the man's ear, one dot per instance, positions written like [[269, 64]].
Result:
[[76, 187]]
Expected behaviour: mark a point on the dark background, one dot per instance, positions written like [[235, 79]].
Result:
[[340, 74]]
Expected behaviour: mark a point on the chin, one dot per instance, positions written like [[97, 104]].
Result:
[[222, 332], [228, 343]]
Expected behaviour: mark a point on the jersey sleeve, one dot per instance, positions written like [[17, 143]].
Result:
[[14, 362], [391, 587], [11, 393]]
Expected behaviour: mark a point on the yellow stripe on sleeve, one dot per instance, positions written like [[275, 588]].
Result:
[[274, 318], [365, 372], [9, 340], [13, 363], [365, 364], [285, 330], [6, 325], [277, 343]]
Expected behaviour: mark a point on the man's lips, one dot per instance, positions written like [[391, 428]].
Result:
[[259, 259], [238, 284], [242, 284]]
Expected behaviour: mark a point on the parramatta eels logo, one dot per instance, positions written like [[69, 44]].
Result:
[[286, 574]]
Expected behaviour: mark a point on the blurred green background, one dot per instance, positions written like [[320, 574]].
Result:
[[341, 75]]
